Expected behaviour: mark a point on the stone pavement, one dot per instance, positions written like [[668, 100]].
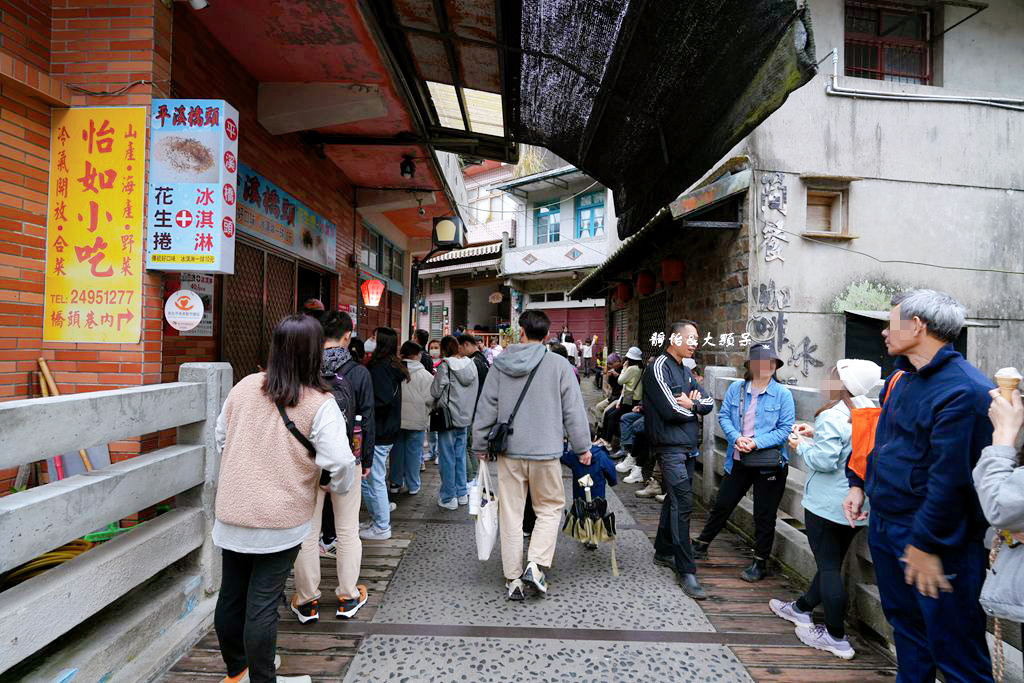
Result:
[[436, 613]]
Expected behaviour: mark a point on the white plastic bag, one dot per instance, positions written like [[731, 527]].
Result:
[[474, 492], [487, 516]]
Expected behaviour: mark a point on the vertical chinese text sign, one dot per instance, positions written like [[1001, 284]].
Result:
[[94, 225]]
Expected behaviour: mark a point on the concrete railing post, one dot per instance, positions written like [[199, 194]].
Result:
[[712, 374], [217, 378]]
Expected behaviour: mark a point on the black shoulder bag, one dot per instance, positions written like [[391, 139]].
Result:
[[497, 437], [440, 419], [763, 458], [325, 476]]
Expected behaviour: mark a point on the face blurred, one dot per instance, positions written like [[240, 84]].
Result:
[[831, 386], [901, 335], [468, 349], [762, 368]]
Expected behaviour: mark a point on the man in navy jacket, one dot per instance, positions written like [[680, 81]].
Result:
[[672, 401], [926, 526]]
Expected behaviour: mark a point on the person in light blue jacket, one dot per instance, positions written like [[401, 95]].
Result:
[[757, 417], [828, 531]]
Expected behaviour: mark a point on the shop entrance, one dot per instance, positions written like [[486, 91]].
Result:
[[265, 287]]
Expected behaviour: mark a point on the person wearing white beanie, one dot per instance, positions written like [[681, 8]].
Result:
[[825, 449]]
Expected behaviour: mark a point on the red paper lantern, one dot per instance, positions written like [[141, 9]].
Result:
[[372, 291], [624, 292], [645, 283], [672, 270]]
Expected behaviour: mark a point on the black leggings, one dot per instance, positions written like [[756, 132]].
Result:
[[829, 542], [610, 425], [769, 485]]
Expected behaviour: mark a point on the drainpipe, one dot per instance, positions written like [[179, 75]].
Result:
[[833, 88]]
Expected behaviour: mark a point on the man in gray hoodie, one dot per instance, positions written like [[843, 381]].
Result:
[[552, 407]]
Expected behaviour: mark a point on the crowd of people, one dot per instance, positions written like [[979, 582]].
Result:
[[329, 408]]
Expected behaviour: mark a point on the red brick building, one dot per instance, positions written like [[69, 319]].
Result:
[[56, 54]]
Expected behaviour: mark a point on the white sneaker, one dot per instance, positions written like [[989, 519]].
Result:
[[294, 679], [365, 525], [392, 507], [660, 498], [819, 638], [452, 504], [464, 500], [789, 612], [635, 476], [652, 489], [628, 463], [375, 533]]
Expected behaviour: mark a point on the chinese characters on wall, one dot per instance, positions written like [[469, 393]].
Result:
[[94, 225], [193, 176], [773, 216]]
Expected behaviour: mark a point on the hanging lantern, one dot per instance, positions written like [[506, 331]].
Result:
[[645, 283], [672, 270], [372, 291], [495, 298], [624, 292]]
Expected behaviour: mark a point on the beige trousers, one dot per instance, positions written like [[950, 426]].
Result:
[[544, 479], [349, 548]]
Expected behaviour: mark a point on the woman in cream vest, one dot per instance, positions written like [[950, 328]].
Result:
[[267, 490]]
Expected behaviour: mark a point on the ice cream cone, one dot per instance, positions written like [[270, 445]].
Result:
[[1007, 379]]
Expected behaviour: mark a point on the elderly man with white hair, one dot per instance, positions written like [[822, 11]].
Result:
[[926, 528]]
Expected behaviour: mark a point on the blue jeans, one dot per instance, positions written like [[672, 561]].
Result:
[[405, 465], [452, 446], [433, 445], [947, 633], [375, 488], [629, 425]]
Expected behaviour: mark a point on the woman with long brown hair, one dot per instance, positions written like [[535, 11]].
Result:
[[267, 489], [828, 532], [388, 372]]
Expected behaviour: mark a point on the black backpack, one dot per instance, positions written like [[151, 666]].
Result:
[[345, 395]]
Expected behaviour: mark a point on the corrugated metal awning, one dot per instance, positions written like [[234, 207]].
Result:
[[467, 253], [459, 268]]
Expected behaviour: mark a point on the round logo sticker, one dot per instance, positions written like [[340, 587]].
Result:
[[183, 218], [229, 194], [228, 226], [183, 310], [231, 129], [229, 162]]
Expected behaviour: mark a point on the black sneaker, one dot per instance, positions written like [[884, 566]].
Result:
[[665, 560], [347, 607], [308, 612], [534, 576], [700, 549], [516, 590]]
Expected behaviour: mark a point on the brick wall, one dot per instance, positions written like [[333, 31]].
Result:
[[25, 31], [85, 44], [714, 290]]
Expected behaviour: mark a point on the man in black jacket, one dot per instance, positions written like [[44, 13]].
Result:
[[673, 399], [422, 338]]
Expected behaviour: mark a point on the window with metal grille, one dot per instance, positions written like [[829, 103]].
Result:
[[620, 340], [436, 319], [887, 44], [652, 321]]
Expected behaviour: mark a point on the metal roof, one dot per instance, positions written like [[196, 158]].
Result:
[[466, 253], [542, 180]]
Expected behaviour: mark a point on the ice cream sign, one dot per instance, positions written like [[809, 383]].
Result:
[[192, 186]]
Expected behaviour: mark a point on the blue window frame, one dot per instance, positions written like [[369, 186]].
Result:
[[590, 215], [545, 220]]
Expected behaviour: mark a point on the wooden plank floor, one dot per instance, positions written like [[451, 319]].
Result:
[[324, 650], [734, 605]]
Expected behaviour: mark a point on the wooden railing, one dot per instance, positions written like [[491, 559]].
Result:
[[123, 609]]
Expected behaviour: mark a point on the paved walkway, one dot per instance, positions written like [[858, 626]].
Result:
[[438, 614]]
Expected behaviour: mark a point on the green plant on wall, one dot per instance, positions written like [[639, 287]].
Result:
[[866, 295]]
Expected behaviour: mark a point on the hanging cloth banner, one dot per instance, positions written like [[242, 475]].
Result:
[[93, 280]]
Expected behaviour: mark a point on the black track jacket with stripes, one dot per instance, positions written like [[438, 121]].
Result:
[[671, 428]]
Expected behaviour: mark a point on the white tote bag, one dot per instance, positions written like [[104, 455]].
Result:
[[487, 516]]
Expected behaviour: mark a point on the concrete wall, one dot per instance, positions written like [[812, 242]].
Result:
[[936, 185]]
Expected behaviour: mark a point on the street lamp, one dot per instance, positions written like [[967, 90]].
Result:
[[449, 233]]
